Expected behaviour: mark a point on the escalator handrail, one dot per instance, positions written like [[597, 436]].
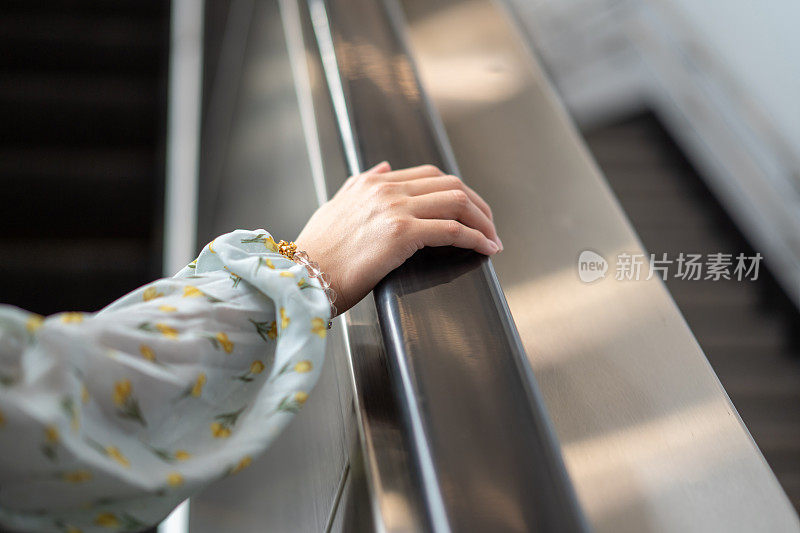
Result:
[[472, 414]]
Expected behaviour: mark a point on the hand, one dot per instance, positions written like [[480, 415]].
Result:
[[378, 219]]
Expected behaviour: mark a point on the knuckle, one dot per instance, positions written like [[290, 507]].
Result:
[[453, 229], [395, 203], [431, 169], [385, 188], [398, 226], [371, 179], [453, 182], [459, 198]]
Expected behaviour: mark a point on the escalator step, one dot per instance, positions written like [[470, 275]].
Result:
[[49, 275]]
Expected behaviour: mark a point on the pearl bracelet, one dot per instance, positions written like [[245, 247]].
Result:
[[290, 251]]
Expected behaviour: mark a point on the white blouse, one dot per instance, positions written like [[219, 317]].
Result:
[[109, 420]]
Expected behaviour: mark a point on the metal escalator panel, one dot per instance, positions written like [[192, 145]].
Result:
[[482, 449], [449, 432], [434, 410], [649, 437]]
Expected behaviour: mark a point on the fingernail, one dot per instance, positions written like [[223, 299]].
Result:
[[493, 247], [500, 243]]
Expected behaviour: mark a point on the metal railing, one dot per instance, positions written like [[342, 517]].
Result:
[[477, 434]]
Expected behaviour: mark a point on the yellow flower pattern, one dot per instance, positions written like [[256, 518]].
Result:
[[197, 388], [170, 323], [225, 342], [241, 465], [51, 435], [303, 366], [33, 323], [182, 455], [167, 331], [174, 479], [107, 520], [52, 438], [147, 352], [72, 318], [71, 410], [114, 453], [219, 431], [77, 476], [256, 367], [319, 327], [151, 293], [293, 402], [266, 240], [267, 330], [122, 392], [221, 341], [127, 404], [300, 397], [190, 291]]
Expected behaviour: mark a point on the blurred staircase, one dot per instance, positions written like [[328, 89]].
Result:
[[748, 329], [82, 128]]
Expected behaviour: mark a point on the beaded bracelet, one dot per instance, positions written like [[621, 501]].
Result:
[[290, 251]]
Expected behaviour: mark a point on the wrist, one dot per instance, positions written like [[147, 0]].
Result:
[[293, 251]]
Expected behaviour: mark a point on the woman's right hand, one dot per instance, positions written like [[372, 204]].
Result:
[[378, 219]]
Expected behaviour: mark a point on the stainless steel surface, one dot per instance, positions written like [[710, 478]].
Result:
[[484, 455], [268, 172], [260, 165], [650, 438], [266, 181], [381, 465]]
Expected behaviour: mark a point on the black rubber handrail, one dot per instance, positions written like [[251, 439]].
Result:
[[485, 455]]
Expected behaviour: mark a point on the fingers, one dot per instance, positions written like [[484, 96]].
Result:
[[435, 232], [454, 204], [380, 168], [445, 183], [413, 173]]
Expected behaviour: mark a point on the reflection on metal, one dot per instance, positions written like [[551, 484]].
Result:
[[183, 139], [649, 437], [322, 30], [177, 521], [305, 99], [183, 133], [220, 111], [383, 462], [266, 180], [484, 456]]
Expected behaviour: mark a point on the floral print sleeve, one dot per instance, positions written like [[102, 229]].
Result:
[[109, 420]]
